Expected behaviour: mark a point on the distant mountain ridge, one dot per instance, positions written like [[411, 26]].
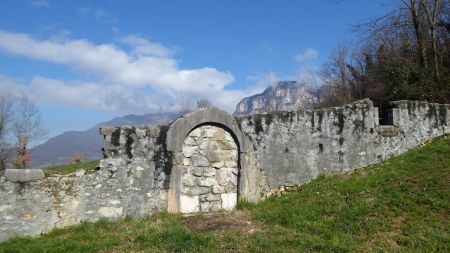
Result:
[[61, 148], [284, 96]]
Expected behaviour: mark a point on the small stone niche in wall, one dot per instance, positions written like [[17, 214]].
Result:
[[210, 171]]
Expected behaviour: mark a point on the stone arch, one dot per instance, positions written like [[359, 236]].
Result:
[[179, 130], [181, 127]]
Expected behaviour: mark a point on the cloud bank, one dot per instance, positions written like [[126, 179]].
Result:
[[136, 75]]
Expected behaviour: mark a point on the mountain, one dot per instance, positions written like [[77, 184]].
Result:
[[284, 96], [61, 148]]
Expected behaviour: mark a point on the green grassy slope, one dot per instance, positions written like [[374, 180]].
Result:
[[402, 205], [69, 168]]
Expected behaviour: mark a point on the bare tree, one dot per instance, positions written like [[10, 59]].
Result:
[[186, 105], [415, 9], [27, 128], [314, 86], [336, 78], [432, 8], [418, 21], [204, 103], [6, 112]]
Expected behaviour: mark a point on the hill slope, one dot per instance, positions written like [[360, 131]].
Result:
[[401, 205], [61, 148]]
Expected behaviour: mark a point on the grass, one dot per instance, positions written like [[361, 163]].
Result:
[[69, 168], [401, 205]]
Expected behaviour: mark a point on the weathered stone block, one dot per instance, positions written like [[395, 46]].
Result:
[[230, 188], [189, 180], [215, 206], [186, 161], [205, 207], [229, 200], [212, 197], [199, 161], [205, 145], [217, 189], [225, 145], [196, 171], [217, 156], [190, 141], [218, 165], [189, 204], [219, 134], [205, 181], [192, 191], [226, 177], [208, 131], [188, 151], [23, 175], [209, 172], [231, 164]]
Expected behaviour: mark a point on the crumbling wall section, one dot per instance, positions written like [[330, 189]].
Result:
[[132, 180]]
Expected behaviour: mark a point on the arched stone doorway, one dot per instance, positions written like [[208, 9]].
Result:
[[209, 179], [197, 174]]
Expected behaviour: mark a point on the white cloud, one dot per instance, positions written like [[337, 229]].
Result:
[[39, 4], [263, 81], [120, 99], [110, 63], [94, 96], [146, 47], [10, 85], [61, 35], [119, 80], [308, 54]]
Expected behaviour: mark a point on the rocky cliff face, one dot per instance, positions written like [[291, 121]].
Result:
[[284, 96]]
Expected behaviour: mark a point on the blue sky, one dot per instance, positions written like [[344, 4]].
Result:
[[84, 62]]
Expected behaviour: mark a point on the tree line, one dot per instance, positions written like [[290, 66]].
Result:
[[404, 54]]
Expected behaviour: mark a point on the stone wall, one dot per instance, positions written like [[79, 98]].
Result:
[[132, 180], [156, 168], [296, 147]]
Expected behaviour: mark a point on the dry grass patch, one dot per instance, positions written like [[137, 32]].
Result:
[[236, 221]]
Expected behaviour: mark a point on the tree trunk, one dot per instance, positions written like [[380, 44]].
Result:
[[431, 15], [435, 53], [414, 10]]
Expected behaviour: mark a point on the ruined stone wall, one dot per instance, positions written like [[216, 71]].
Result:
[[132, 180], [149, 169], [296, 147]]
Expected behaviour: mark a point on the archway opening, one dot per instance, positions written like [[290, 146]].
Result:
[[210, 170]]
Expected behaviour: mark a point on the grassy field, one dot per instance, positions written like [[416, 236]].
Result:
[[69, 168], [402, 205]]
